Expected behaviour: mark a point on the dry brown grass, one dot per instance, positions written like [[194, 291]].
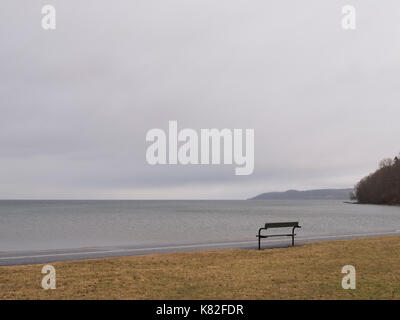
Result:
[[312, 271]]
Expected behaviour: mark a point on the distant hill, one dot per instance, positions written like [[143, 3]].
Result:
[[320, 194]]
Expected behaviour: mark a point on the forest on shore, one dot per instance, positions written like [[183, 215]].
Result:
[[382, 186]]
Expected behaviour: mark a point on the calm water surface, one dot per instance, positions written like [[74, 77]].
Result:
[[28, 225]]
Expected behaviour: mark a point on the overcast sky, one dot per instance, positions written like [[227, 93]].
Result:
[[76, 102]]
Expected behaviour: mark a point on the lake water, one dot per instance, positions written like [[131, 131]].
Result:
[[26, 225]]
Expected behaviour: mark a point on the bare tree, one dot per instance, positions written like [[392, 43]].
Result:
[[386, 163]]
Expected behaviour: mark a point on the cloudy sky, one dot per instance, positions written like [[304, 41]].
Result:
[[76, 102]]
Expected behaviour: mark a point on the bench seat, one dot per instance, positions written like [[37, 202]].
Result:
[[276, 235]]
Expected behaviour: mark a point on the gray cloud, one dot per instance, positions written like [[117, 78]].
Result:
[[76, 102]]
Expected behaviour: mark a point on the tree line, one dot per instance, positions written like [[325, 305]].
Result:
[[382, 186]]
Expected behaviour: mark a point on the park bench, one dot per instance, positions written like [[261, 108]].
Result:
[[272, 225]]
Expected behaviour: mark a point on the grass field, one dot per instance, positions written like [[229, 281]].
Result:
[[310, 271]]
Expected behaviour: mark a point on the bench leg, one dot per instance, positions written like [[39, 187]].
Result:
[[293, 236], [259, 237]]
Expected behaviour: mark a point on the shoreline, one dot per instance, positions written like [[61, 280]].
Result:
[[373, 204], [32, 257]]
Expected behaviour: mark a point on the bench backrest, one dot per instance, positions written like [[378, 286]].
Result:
[[281, 224]]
